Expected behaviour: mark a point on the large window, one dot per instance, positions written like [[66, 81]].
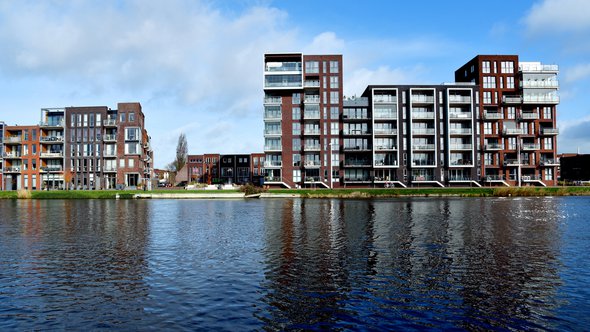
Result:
[[132, 134], [509, 82], [547, 112], [487, 128], [487, 97], [485, 67], [333, 67], [507, 67], [132, 148], [312, 67], [334, 82], [489, 82], [334, 97]]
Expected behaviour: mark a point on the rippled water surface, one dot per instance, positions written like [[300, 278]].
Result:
[[278, 264]]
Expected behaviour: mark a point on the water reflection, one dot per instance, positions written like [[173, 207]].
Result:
[[450, 263], [79, 258]]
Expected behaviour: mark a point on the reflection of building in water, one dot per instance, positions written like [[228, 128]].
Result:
[[470, 263]]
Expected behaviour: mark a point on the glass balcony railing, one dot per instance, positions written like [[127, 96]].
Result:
[[459, 99], [283, 66], [385, 131], [460, 131]]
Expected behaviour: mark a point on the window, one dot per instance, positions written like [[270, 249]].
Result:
[[85, 120], [507, 67], [34, 134], [511, 112], [121, 162], [132, 134], [334, 82], [296, 128], [489, 82], [132, 148], [296, 144], [296, 175], [34, 148], [296, 99], [122, 117], [548, 143], [334, 128], [334, 67], [296, 113], [131, 162], [548, 174], [488, 159], [547, 113], [131, 116], [509, 82], [485, 67], [296, 159], [312, 67], [334, 97], [334, 114], [487, 97], [487, 128]]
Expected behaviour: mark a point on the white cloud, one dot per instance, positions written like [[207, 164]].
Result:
[[551, 16], [577, 73]]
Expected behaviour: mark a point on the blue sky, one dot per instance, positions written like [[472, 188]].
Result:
[[196, 66]]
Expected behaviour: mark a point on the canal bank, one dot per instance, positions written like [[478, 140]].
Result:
[[304, 193]]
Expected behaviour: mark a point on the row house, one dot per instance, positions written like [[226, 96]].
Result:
[[222, 168], [81, 148]]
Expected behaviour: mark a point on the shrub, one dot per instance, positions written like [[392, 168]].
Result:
[[250, 189], [23, 194]]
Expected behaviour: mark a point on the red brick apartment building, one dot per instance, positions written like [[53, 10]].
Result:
[[80, 148], [217, 168], [517, 112], [494, 126]]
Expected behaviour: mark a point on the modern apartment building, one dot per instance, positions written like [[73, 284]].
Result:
[[302, 107], [517, 114], [21, 158], [2, 125], [80, 148], [496, 122]]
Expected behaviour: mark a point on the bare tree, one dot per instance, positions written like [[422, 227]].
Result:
[[181, 152]]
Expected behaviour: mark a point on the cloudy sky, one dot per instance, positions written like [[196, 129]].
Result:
[[196, 66]]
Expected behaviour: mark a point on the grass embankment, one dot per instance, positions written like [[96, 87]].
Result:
[[96, 194], [437, 192]]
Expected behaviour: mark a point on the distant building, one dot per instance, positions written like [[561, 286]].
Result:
[[80, 148], [575, 167]]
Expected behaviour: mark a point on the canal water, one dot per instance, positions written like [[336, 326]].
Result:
[[279, 264]]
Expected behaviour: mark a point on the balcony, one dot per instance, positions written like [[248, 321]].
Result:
[[493, 116], [281, 67], [110, 154], [533, 177], [492, 178], [110, 138], [460, 115], [357, 148], [358, 179], [460, 178], [311, 84], [356, 132], [549, 162], [423, 131], [538, 68], [273, 100], [311, 115], [312, 164], [311, 132], [312, 179], [385, 131], [422, 115], [109, 123], [511, 99], [313, 147], [12, 169], [549, 131], [511, 162], [52, 155], [493, 147], [529, 116], [461, 162], [460, 146], [272, 116], [273, 163], [421, 99], [384, 115], [423, 147], [52, 124], [357, 163], [387, 147], [273, 132], [530, 147], [540, 99], [384, 99], [312, 100], [553, 84], [513, 131], [13, 140], [460, 131], [51, 139], [422, 162], [50, 169], [418, 178], [456, 99], [11, 155], [109, 169]]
